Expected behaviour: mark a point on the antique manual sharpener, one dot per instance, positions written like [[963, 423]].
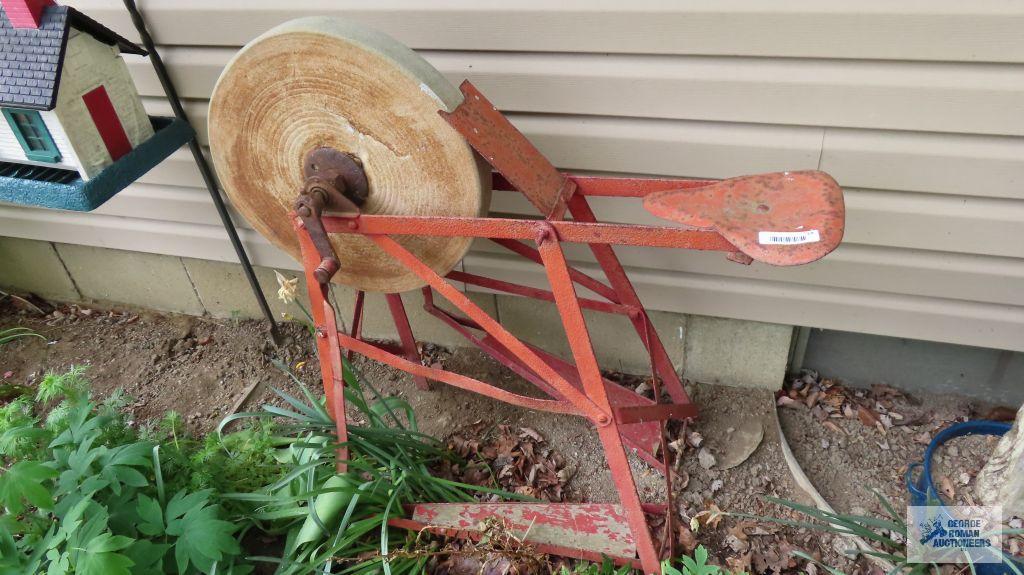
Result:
[[391, 195]]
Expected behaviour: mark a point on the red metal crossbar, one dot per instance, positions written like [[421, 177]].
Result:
[[623, 420]]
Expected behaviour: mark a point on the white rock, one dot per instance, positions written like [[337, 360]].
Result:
[[706, 460]]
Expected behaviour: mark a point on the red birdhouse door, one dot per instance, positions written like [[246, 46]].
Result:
[[109, 125]]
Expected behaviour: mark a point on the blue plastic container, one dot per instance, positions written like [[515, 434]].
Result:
[[923, 491]]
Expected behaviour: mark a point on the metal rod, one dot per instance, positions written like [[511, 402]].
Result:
[[526, 229], [204, 166], [405, 335]]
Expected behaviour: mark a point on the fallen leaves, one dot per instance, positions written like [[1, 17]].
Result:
[[710, 517], [867, 416], [828, 400], [499, 552], [514, 459], [686, 539]]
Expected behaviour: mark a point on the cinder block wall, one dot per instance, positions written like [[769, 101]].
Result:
[[705, 349]]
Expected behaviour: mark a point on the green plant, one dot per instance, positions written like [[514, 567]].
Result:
[[696, 565], [11, 334], [330, 519], [83, 494]]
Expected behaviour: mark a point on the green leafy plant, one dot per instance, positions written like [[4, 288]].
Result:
[[327, 518], [696, 565], [83, 494]]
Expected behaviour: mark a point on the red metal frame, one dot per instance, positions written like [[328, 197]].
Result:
[[623, 419]]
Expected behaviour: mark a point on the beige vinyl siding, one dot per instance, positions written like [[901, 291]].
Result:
[[916, 107]]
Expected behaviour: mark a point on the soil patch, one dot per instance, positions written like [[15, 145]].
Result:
[[203, 368]]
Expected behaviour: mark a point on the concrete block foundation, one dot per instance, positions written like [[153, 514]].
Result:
[[713, 350], [35, 267]]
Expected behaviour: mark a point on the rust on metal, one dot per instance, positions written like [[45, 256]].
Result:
[[509, 152], [783, 218], [334, 182], [598, 527], [343, 172], [460, 381], [647, 413]]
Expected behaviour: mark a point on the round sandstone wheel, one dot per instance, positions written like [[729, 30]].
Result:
[[320, 82]]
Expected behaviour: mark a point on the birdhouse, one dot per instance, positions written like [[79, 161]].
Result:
[[67, 98], [74, 131]]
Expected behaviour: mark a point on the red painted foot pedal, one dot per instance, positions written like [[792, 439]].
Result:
[[584, 530]]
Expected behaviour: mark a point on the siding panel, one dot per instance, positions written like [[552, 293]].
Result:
[[916, 107], [946, 30], [921, 162], [969, 98]]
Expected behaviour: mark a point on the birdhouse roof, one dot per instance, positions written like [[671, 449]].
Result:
[[31, 59]]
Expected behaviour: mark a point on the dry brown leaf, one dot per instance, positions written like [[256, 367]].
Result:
[[714, 516], [694, 439], [812, 398], [867, 416], [786, 401], [526, 432], [739, 529], [833, 427], [686, 539], [739, 563]]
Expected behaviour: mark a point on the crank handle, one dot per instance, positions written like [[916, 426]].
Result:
[[309, 208]]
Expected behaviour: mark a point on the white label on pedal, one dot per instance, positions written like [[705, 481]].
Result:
[[788, 238]]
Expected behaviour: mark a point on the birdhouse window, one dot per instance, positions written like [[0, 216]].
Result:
[[32, 134]]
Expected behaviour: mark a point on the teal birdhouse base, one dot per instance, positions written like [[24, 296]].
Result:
[[66, 190]]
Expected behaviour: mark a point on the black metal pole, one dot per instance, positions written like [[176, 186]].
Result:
[[204, 166]]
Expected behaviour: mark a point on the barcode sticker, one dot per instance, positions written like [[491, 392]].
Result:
[[788, 238]]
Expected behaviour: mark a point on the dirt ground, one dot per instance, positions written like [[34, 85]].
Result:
[[206, 368]]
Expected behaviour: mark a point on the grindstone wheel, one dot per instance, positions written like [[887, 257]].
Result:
[[320, 82]]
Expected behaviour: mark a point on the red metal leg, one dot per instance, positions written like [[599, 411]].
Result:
[[412, 353], [607, 428], [327, 346], [609, 262]]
